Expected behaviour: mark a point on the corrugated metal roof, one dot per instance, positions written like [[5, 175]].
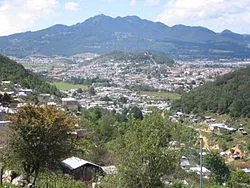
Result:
[[75, 162]]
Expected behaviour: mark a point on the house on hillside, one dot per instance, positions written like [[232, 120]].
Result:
[[70, 102], [5, 82], [185, 164], [79, 132], [81, 169], [247, 170], [4, 124], [220, 126], [205, 172]]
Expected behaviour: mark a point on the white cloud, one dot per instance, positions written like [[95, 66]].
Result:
[[72, 6], [132, 2], [153, 2], [21, 15], [214, 14]]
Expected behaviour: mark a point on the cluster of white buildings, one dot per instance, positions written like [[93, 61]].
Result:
[[181, 77]]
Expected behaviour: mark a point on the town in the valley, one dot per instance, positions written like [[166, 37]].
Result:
[[114, 86]]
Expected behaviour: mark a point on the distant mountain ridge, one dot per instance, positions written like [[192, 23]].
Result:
[[102, 34]]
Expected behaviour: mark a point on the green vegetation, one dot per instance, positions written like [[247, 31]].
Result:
[[12, 71], [39, 139], [240, 179], [138, 147], [68, 86], [217, 165], [229, 94], [142, 152], [141, 57], [8, 185], [89, 81], [58, 181], [145, 150], [5, 99]]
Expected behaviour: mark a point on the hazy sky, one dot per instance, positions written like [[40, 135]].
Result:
[[217, 15]]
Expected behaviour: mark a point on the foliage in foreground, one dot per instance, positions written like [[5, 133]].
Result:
[[58, 181], [142, 151], [220, 171], [239, 179], [39, 138]]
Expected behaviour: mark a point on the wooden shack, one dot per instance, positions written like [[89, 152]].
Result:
[[81, 169]]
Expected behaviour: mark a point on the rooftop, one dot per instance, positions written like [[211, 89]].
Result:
[[75, 162]]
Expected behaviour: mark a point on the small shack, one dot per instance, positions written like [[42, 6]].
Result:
[[70, 103], [81, 169]]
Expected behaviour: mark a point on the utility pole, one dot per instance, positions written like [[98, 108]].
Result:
[[201, 146]]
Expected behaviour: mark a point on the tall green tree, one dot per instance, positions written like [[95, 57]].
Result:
[[136, 112], [143, 154], [39, 138], [220, 171], [92, 91]]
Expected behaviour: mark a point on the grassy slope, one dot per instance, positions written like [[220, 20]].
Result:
[[67, 86]]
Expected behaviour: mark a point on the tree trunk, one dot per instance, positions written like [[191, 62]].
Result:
[[36, 175]]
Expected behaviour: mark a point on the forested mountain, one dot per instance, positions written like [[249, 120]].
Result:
[[12, 71], [229, 94], [102, 34]]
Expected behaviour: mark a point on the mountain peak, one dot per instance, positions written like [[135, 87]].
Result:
[[132, 18], [98, 17], [226, 31]]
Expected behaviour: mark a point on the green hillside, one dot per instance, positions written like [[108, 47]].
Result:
[[135, 58], [12, 71], [229, 94], [140, 56]]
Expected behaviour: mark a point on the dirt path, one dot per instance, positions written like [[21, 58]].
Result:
[[207, 146]]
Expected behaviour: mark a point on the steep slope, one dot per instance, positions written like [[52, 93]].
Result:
[[229, 94], [12, 71], [102, 34]]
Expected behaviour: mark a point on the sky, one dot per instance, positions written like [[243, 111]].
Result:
[[30, 15]]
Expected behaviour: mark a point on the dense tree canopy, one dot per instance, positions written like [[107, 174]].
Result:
[[142, 150], [220, 171], [230, 94], [5, 99], [11, 70]]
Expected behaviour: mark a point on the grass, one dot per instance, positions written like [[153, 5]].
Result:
[[8, 185], [54, 182], [58, 181], [163, 95], [67, 86]]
